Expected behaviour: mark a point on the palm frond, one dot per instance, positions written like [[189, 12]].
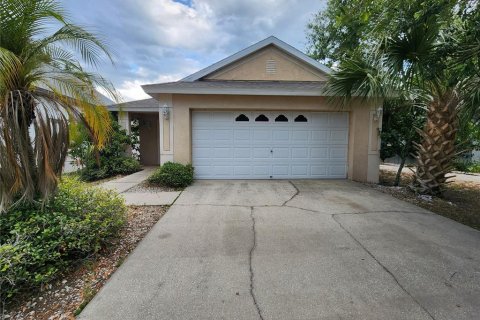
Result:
[[43, 88]]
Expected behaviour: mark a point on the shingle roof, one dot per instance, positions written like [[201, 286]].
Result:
[[137, 104]]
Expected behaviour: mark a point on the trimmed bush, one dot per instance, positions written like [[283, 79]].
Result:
[[173, 175], [36, 245]]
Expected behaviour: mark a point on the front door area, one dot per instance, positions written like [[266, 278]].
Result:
[[149, 138]]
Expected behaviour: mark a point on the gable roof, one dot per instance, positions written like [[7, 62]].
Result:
[[270, 41]]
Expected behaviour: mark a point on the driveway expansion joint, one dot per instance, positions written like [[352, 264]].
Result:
[[250, 257], [383, 267]]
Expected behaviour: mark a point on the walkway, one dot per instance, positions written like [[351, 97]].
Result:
[[122, 185]]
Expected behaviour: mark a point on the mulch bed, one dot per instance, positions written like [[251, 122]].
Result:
[[150, 187], [460, 201], [66, 297]]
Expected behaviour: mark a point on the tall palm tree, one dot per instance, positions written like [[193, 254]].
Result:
[[43, 88], [415, 65]]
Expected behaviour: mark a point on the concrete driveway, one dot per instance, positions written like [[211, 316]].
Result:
[[296, 250]]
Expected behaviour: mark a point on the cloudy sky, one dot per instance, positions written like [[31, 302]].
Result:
[[165, 40]]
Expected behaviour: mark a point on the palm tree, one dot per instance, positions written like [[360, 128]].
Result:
[[416, 65], [43, 88]]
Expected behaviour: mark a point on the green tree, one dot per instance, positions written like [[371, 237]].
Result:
[[43, 88], [416, 58], [401, 136]]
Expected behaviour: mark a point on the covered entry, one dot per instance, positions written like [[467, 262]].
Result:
[[148, 132]]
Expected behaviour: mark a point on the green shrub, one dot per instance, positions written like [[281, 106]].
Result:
[[36, 244], [174, 175], [475, 167], [113, 158], [463, 165], [124, 165]]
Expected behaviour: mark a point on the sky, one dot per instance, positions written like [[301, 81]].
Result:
[[157, 41]]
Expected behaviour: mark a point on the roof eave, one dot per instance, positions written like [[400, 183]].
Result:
[[236, 91]]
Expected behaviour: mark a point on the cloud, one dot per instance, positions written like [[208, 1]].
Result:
[[131, 89], [157, 40]]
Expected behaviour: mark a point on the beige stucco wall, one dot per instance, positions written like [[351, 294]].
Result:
[[363, 157], [253, 67]]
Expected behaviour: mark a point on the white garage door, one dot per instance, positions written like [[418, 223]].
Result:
[[269, 145]]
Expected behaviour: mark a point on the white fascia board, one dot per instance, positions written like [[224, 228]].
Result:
[[253, 48], [238, 91]]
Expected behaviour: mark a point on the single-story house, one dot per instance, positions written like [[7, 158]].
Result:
[[260, 113]]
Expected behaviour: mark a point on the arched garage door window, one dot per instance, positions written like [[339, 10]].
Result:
[[301, 118], [242, 118], [261, 118], [281, 118]]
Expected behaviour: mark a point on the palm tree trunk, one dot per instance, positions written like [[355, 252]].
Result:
[[25, 106], [399, 172], [437, 150]]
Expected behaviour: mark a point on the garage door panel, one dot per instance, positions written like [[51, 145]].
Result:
[[299, 170], [319, 153], [338, 153], [338, 120], [242, 135], [223, 148], [202, 119], [281, 153], [320, 136], [260, 136], [318, 171], [203, 171], [337, 171], [281, 170], [300, 135], [225, 117], [202, 153], [261, 170], [299, 153], [202, 135], [338, 136], [223, 134], [222, 153], [245, 171], [281, 135], [242, 153], [226, 170], [261, 153], [319, 119]]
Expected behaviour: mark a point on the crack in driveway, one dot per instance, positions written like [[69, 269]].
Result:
[[383, 267], [297, 192], [252, 275]]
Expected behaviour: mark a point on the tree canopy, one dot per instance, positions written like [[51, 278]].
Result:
[[416, 53], [44, 88]]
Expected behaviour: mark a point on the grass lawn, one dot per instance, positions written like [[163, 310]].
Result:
[[460, 202]]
